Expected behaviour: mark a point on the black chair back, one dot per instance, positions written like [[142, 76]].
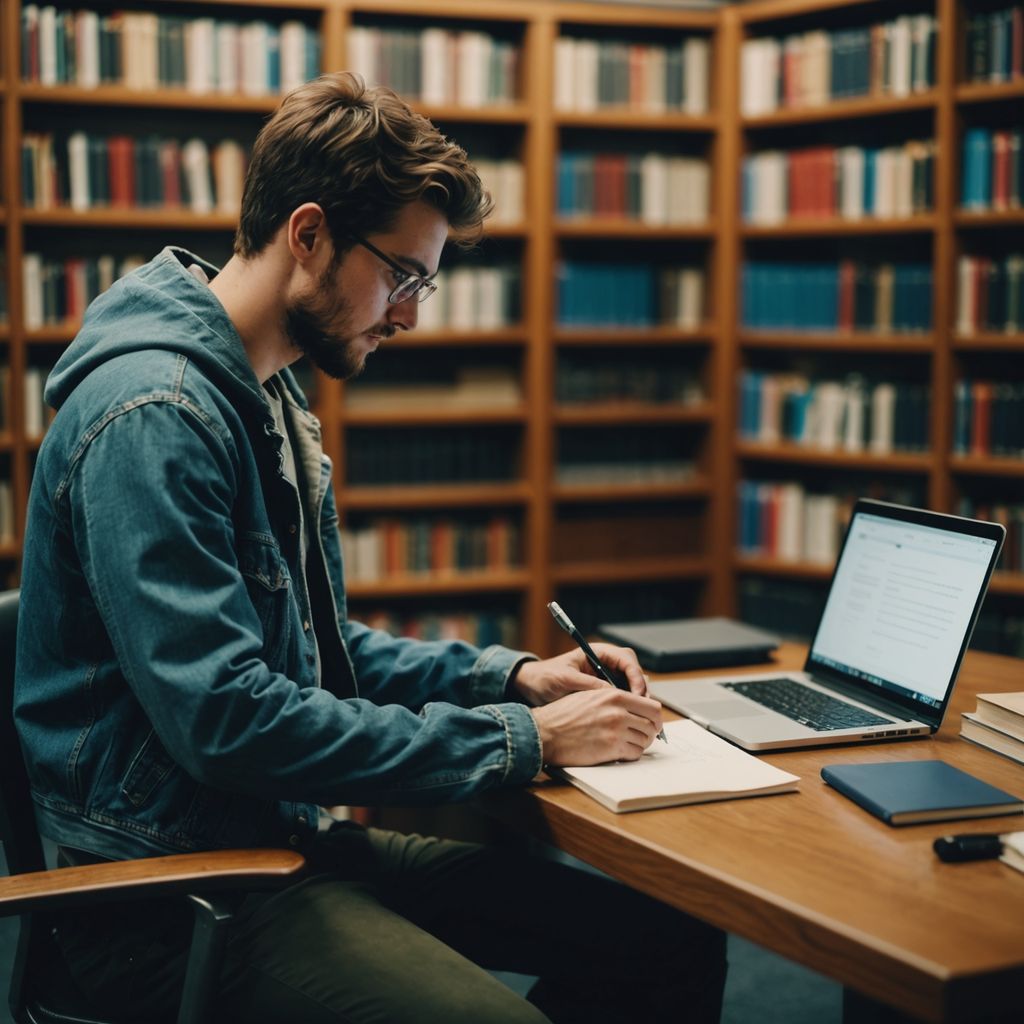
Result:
[[18, 831]]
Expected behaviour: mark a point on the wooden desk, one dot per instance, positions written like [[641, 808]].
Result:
[[816, 879]]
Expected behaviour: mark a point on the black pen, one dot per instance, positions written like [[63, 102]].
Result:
[[595, 662]]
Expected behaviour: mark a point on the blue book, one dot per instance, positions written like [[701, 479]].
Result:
[[912, 792]]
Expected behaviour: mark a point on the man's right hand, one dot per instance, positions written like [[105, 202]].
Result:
[[595, 726]]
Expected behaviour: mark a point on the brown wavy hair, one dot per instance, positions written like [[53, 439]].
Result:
[[362, 154]]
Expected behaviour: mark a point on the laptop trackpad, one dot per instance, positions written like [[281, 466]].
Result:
[[717, 710]]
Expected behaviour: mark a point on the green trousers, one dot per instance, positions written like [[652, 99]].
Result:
[[395, 929]]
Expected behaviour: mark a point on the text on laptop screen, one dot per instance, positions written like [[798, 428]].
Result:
[[900, 605]]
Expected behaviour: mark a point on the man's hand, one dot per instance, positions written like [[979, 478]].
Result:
[[595, 726], [581, 719], [540, 682]]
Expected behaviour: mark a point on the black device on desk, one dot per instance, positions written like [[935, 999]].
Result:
[[674, 645]]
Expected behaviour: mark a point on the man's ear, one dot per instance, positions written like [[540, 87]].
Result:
[[307, 231]]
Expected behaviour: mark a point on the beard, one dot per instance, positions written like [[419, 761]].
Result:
[[321, 329]]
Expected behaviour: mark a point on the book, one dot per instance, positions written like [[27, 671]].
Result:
[[1003, 711], [1013, 850], [913, 792], [693, 766], [974, 730]]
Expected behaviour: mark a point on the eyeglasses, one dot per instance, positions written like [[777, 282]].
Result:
[[407, 284]]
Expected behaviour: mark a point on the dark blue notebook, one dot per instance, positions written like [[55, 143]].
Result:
[[910, 792]]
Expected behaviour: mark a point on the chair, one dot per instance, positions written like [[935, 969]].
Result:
[[42, 991]]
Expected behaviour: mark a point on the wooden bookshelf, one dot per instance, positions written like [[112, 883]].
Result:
[[534, 131]]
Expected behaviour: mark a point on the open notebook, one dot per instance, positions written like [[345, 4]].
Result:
[[694, 766]]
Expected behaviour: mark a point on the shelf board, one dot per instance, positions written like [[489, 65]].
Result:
[[1007, 583], [986, 465], [165, 218], [988, 218], [445, 336], [633, 570], [420, 414], [415, 584], [663, 334], [435, 495], [53, 334], [859, 341], [5, 332], [842, 110], [620, 227], [10, 552], [987, 92], [894, 462], [989, 340], [123, 96], [765, 566], [506, 230], [831, 226], [497, 113], [599, 413], [698, 487], [6, 441], [627, 119]]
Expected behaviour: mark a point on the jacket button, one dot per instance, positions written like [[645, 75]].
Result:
[[293, 840], [301, 819], [292, 528], [305, 625]]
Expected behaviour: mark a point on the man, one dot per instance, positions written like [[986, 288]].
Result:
[[188, 677]]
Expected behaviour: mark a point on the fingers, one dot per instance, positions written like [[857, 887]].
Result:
[[623, 660]]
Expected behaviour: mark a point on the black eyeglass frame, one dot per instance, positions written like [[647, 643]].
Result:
[[424, 287]]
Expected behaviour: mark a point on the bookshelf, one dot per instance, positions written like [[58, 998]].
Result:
[[606, 476]]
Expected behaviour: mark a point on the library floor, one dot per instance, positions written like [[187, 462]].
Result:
[[762, 988]]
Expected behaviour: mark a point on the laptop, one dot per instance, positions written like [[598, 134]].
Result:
[[899, 613]]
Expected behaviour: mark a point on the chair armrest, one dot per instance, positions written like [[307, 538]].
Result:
[[213, 871]]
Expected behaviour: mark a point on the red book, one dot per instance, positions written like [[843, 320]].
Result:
[[121, 159], [602, 186], [797, 189], [981, 418], [1000, 170], [847, 278], [170, 172], [617, 184], [637, 63]]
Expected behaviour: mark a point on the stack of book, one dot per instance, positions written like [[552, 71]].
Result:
[[997, 723]]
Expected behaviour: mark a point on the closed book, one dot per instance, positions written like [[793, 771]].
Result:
[[693, 766], [976, 731], [1003, 711], [912, 792]]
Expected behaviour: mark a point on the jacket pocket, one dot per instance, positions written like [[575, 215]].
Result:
[[268, 584], [150, 766]]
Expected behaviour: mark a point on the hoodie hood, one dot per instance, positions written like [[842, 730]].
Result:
[[160, 306]]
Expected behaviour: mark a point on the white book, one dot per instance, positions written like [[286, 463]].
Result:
[[228, 175], [200, 55], [48, 45], [488, 305], [789, 542], [362, 46], [228, 61], [693, 766], [654, 188], [78, 171], [655, 99], [565, 73], [474, 49], [853, 416], [816, 79], [899, 82], [432, 315], [434, 66], [820, 520], [885, 183], [6, 512], [34, 414], [771, 412], [32, 290], [695, 69], [254, 49], [511, 184], [691, 298], [293, 55], [87, 49], [904, 174], [851, 197], [587, 56], [759, 64], [827, 410], [462, 288], [883, 418], [195, 162]]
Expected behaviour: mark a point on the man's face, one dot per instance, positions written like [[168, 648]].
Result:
[[339, 321]]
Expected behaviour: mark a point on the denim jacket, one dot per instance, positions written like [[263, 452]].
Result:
[[181, 683]]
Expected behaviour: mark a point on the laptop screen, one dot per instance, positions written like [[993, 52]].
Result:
[[904, 598]]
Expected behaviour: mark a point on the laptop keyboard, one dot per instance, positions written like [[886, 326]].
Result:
[[809, 707]]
